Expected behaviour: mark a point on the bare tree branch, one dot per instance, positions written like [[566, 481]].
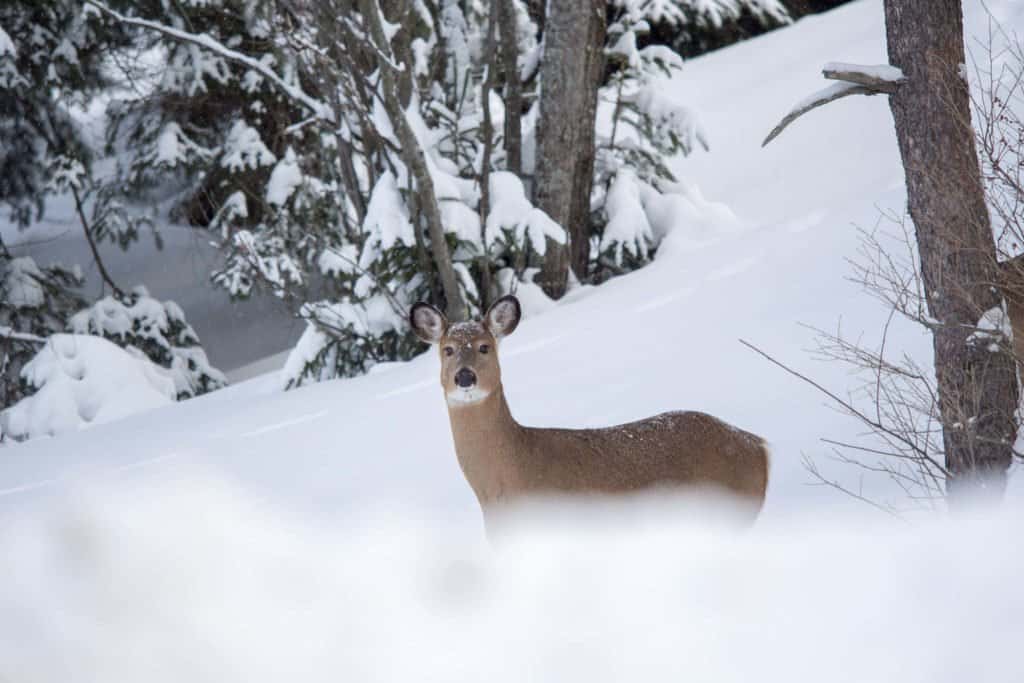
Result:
[[86, 228], [856, 80], [7, 333], [818, 99], [812, 468]]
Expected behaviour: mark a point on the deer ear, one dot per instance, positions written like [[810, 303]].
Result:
[[503, 316], [427, 322]]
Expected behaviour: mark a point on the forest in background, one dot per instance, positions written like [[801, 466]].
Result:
[[349, 159]]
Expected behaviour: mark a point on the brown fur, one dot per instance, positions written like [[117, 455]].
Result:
[[503, 460]]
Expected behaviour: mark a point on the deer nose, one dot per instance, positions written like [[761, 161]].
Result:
[[465, 378]]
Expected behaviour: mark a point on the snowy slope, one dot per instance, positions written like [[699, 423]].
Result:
[[231, 581], [834, 160]]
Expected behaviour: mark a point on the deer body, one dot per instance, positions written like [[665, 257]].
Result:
[[503, 460]]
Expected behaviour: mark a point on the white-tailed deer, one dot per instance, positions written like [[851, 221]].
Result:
[[503, 460]]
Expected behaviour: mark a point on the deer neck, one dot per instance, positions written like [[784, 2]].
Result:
[[487, 443]]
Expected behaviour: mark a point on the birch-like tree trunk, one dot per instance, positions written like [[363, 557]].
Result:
[[977, 387], [564, 161]]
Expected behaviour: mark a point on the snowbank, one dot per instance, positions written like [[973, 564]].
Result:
[[195, 583], [84, 380]]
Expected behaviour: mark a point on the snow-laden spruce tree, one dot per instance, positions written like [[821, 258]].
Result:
[[55, 58], [53, 62], [693, 27], [644, 126], [39, 305], [34, 303], [156, 330], [50, 60], [217, 141]]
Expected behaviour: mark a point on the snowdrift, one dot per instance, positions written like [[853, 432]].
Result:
[[193, 582]]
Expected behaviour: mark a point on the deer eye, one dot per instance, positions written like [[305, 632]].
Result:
[[448, 350], [484, 348]]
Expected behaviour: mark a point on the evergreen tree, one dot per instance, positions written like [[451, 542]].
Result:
[[51, 59], [694, 27], [34, 303], [155, 330], [648, 128], [55, 58]]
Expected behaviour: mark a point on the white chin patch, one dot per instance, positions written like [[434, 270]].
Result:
[[465, 397]]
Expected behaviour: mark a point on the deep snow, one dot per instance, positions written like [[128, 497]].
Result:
[[341, 540], [196, 583]]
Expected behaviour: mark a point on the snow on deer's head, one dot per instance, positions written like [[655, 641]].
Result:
[[469, 350]]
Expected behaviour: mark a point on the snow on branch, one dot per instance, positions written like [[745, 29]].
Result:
[[14, 335], [823, 96], [367, 41], [320, 110], [880, 77], [854, 79]]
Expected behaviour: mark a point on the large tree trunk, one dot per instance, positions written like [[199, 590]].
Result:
[[513, 87], [977, 388], [564, 161]]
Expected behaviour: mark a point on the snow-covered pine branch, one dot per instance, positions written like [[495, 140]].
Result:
[[854, 79], [320, 109], [6, 333]]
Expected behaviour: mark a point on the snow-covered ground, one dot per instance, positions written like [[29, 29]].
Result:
[[339, 540], [195, 583]]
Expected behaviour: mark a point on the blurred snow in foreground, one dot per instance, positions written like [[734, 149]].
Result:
[[194, 582]]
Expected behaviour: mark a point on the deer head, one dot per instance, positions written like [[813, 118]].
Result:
[[470, 371]]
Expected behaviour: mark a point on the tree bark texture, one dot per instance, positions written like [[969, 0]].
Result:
[[513, 87], [485, 165], [570, 75], [977, 388]]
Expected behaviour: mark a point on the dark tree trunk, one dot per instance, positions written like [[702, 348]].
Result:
[[485, 165], [513, 87], [535, 8], [800, 8], [564, 166], [977, 388]]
